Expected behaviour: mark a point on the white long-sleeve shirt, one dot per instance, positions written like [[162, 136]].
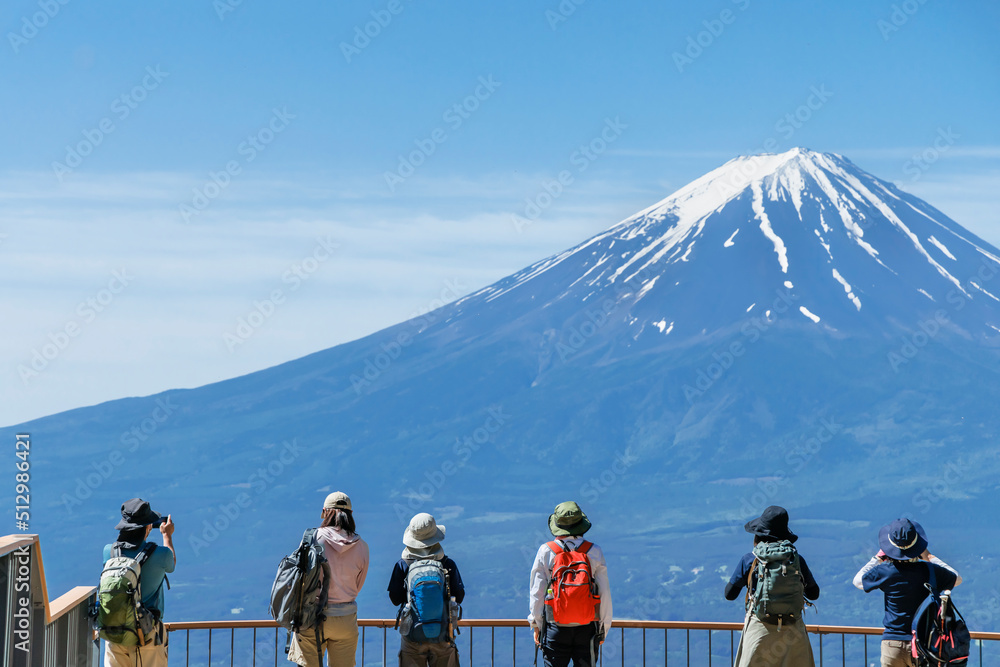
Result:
[[876, 560], [541, 574]]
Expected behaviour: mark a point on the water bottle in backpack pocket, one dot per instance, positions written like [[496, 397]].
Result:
[[404, 620]]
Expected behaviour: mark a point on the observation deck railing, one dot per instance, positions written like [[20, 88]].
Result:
[[40, 633], [509, 643], [36, 632]]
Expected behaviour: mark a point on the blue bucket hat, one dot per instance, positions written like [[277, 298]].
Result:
[[902, 539]]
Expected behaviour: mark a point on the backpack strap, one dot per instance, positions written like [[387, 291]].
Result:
[[308, 536], [144, 555], [750, 573], [585, 547], [932, 580], [557, 546]]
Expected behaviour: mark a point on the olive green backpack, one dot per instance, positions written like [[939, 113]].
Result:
[[778, 596]]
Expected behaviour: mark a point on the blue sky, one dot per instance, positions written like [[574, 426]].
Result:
[[211, 152]]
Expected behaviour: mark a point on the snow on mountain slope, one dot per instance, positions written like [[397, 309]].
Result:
[[810, 228]]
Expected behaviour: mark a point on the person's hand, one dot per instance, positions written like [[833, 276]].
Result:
[[538, 641], [881, 555], [167, 527], [926, 555]]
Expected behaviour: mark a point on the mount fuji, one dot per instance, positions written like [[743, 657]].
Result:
[[787, 329]]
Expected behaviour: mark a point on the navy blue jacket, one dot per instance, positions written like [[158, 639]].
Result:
[[397, 583]]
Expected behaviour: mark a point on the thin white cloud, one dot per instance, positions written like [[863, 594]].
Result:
[[908, 152]]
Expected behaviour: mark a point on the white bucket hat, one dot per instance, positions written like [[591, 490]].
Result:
[[423, 532]]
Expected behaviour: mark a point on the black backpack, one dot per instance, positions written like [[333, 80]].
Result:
[[298, 595], [940, 636]]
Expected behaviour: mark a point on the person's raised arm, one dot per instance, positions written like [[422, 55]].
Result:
[[876, 559], [167, 530], [930, 558]]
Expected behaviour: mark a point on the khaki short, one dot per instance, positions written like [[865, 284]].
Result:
[[897, 654], [150, 655]]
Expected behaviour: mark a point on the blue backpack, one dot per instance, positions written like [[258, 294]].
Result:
[[429, 614], [940, 636]]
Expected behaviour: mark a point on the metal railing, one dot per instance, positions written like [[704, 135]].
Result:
[[41, 633], [509, 643], [37, 632]]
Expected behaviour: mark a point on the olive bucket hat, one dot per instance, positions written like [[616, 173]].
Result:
[[568, 519]]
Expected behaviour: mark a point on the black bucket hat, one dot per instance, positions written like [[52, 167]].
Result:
[[773, 524], [136, 513]]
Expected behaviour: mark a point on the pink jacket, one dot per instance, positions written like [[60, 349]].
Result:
[[348, 558]]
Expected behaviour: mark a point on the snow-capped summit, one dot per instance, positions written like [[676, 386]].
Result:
[[849, 251]]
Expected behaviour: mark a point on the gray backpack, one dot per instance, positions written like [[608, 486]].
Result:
[[779, 593], [298, 596]]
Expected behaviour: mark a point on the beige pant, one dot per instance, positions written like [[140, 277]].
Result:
[[763, 645], [133, 656], [340, 641], [896, 654]]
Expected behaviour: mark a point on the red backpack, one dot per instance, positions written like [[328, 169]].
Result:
[[573, 593]]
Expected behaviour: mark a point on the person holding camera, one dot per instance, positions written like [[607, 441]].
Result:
[[138, 520], [900, 571]]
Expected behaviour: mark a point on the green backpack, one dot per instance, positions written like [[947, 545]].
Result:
[[119, 616], [779, 593]]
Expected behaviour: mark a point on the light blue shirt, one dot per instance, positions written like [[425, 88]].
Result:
[[157, 566]]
